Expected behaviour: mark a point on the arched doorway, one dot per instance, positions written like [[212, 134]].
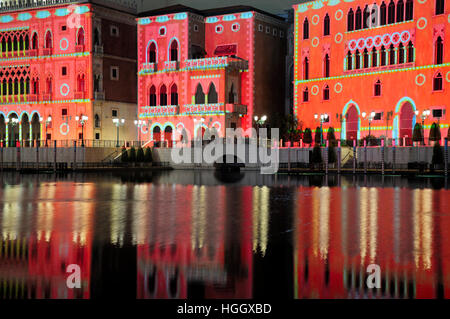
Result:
[[35, 129], [168, 136], [13, 130], [157, 136], [352, 123], [406, 124], [25, 131], [2, 129]]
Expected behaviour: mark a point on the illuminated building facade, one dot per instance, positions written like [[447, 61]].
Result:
[[385, 58], [66, 70], [208, 70]]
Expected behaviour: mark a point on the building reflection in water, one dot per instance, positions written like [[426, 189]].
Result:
[[172, 239]]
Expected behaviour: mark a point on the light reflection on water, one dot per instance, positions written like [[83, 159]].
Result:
[[202, 235]]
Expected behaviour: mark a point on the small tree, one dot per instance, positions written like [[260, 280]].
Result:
[[318, 136], [417, 133], [317, 155], [435, 132], [438, 154], [148, 155], [132, 155], [140, 155], [124, 156], [331, 137], [307, 136]]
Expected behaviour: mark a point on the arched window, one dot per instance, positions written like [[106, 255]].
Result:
[[35, 84], [358, 17], [357, 60], [374, 57], [49, 85], [80, 36], [410, 52], [212, 94], [391, 54], [383, 55], [437, 82], [409, 10], [305, 94], [366, 17], [326, 66], [349, 61], [96, 37], [231, 94], [152, 96], [306, 69], [439, 6], [80, 83], [174, 51], [391, 12], [174, 95], [97, 121], [34, 41], [163, 95], [326, 93], [48, 40], [326, 25], [383, 14], [199, 95], [27, 42], [401, 53], [152, 53], [350, 20], [366, 58], [439, 49], [305, 29], [400, 9], [377, 88]]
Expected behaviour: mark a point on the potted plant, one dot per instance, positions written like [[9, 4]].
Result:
[[140, 156], [148, 155], [318, 136], [435, 132], [307, 136], [437, 161], [316, 156], [132, 156], [124, 156]]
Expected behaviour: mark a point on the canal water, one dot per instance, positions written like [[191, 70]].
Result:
[[192, 234]]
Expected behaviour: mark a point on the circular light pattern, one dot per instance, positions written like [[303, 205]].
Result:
[[386, 39], [144, 128], [369, 42], [405, 36], [377, 40], [315, 90], [361, 43], [162, 31], [352, 44], [395, 38], [219, 28], [315, 19], [217, 125], [421, 82], [421, 25], [64, 129], [447, 76], [62, 42], [341, 14], [64, 89], [315, 42], [338, 37], [338, 87], [235, 27]]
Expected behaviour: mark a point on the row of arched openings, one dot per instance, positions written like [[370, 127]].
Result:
[[152, 52], [163, 95], [30, 129]]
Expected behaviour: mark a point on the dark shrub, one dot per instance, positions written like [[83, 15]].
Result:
[[148, 155], [140, 155], [318, 136], [124, 157], [435, 132], [438, 154], [307, 136], [332, 158], [417, 133], [317, 155], [132, 155]]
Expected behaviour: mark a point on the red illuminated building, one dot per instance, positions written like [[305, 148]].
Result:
[[207, 70]]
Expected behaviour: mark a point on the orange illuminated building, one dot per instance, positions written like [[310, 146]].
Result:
[[385, 60]]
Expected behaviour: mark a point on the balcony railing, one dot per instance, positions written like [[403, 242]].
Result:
[[160, 110], [33, 98], [236, 108], [99, 95], [79, 95], [203, 108], [13, 98], [98, 49], [216, 62], [32, 52], [46, 97], [149, 67], [171, 65], [47, 51], [79, 48]]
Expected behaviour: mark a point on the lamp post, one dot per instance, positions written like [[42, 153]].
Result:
[[139, 124], [424, 116], [118, 123], [83, 119], [14, 121], [322, 118], [48, 121], [369, 118]]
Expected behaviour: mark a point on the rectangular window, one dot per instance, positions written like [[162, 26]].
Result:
[[268, 30], [378, 116], [64, 112], [438, 113], [281, 34], [63, 27], [114, 113], [114, 31], [97, 136], [64, 71], [49, 136], [80, 136], [115, 73], [260, 28], [275, 32]]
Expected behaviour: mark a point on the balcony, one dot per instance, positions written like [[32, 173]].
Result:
[[32, 97], [13, 98], [98, 49], [79, 95], [203, 108], [47, 97], [47, 51], [216, 62], [150, 111], [171, 65], [79, 48], [236, 108], [32, 52], [99, 96], [149, 67]]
